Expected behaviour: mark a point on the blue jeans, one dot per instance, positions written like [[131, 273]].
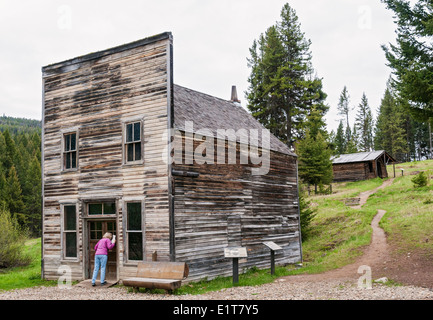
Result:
[[100, 262]]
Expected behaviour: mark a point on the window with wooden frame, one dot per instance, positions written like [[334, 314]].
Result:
[[69, 231], [101, 208], [133, 142], [70, 151], [134, 230]]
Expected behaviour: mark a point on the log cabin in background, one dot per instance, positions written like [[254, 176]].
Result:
[[106, 167], [361, 166]]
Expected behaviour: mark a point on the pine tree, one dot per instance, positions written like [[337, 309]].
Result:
[[282, 89], [14, 199], [9, 152], [390, 133], [344, 110], [32, 196], [364, 125], [353, 142], [315, 166], [340, 140], [411, 58]]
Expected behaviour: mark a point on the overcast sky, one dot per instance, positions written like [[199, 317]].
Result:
[[211, 43]]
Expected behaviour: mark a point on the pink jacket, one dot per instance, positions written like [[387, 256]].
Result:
[[103, 246]]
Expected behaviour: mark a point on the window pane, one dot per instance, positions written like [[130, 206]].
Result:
[[95, 226], [137, 131], [135, 245], [110, 208], [73, 141], [134, 216], [71, 244], [129, 133], [74, 159], [70, 218], [111, 227], [67, 142], [138, 151], [68, 161], [95, 208], [130, 148]]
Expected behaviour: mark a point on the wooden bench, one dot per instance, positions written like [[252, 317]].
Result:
[[158, 275]]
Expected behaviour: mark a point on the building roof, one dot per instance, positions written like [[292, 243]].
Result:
[[208, 112], [361, 157]]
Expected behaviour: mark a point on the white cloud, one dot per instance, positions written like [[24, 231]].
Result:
[[211, 42]]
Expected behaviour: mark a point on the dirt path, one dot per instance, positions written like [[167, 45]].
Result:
[[364, 195], [376, 255]]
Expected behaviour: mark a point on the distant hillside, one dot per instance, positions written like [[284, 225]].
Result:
[[19, 125]]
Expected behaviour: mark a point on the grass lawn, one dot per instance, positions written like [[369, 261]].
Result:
[[27, 276]]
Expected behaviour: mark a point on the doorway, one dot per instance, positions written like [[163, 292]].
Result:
[[96, 230]]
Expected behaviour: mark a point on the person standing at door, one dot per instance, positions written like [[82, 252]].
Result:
[[107, 242]]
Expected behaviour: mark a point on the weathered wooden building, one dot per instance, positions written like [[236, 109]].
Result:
[[361, 166], [110, 120]]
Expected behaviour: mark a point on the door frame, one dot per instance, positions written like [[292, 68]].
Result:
[[88, 269], [85, 220]]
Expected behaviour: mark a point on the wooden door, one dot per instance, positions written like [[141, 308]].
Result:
[[96, 230]]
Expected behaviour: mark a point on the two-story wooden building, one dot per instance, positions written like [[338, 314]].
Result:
[[109, 165]]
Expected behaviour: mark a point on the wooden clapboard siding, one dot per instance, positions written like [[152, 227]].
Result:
[[227, 206], [95, 95], [351, 171]]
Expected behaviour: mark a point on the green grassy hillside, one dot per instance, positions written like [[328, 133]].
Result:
[[340, 232]]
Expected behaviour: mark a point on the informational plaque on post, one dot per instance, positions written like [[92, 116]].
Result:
[[238, 252], [272, 245]]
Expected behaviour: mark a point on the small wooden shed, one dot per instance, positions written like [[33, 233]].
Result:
[[361, 166], [106, 167]]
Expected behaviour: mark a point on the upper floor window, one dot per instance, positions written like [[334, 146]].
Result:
[[70, 151], [133, 142]]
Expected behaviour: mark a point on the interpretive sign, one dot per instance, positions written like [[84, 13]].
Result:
[[235, 252], [272, 245]]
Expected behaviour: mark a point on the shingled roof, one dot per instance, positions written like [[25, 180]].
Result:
[[206, 111]]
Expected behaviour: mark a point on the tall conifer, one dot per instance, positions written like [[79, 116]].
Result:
[[282, 87]]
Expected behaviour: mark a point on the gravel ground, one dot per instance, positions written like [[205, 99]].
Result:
[[281, 289]]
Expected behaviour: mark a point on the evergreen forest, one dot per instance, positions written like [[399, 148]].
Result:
[[20, 171]]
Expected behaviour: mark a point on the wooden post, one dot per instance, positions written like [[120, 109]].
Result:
[[272, 262], [273, 247], [235, 270], [235, 254]]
